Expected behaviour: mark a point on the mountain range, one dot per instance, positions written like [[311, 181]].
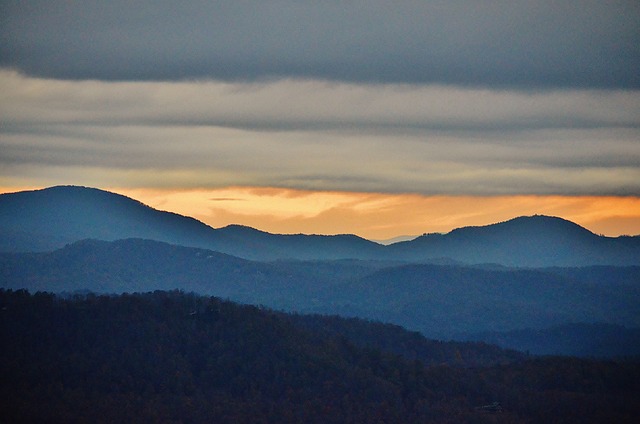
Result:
[[531, 283], [484, 303], [48, 219]]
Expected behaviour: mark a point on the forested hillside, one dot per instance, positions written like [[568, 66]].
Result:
[[174, 357], [440, 301]]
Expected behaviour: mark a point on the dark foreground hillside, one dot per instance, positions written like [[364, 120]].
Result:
[[178, 358]]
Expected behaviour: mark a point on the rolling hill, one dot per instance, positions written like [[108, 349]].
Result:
[[535, 241], [439, 301], [44, 220]]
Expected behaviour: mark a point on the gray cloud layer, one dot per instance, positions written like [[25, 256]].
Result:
[[517, 44], [319, 135]]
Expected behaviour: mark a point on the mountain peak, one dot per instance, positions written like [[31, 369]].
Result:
[[49, 218], [531, 222], [531, 241], [535, 229]]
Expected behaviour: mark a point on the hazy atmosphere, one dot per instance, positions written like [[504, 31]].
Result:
[[294, 211], [375, 118]]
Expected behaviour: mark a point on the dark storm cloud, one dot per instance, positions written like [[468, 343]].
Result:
[[525, 44]]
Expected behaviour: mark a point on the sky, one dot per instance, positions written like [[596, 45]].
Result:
[[370, 117]]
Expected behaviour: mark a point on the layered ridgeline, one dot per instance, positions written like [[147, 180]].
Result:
[[68, 239], [440, 301], [175, 357], [48, 219]]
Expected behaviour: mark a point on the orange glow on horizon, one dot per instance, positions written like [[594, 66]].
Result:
[[379, 216]]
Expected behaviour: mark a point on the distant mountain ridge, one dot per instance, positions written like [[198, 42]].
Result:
[[534, 241], [586, 340], [48, 219], [440, 301]]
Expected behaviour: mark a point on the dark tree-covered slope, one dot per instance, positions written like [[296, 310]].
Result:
[[173, 357], [408, 344]]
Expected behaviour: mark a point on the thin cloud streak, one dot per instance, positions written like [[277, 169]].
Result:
[[382, 215]]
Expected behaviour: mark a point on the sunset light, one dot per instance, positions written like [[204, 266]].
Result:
[[380, 216]]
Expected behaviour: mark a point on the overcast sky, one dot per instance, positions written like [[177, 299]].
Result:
[[428, 97], [515, 43]]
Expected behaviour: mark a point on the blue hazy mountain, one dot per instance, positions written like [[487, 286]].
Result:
[[48, 219], [139, 265], [534, 241], [586, 340], [439, 301], [132, 265]]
